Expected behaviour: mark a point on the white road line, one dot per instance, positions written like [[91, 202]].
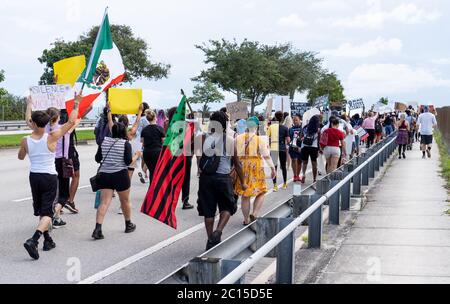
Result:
[[30, 198], [149, 251]]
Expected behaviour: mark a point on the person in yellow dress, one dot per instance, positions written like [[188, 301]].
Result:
[[252, 150]]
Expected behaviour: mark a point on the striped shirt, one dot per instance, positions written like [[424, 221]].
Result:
[[118, 158]]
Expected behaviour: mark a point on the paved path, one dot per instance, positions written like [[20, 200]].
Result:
[[402, 236]]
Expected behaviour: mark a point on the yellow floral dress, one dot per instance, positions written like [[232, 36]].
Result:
[[249, 149]]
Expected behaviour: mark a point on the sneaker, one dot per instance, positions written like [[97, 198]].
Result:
[[214, 240], [141, 177], [58, 223], [49, 245], [303, 179], [31, 246], [187, 206], [429, 153], [71, 207], [97, 235], [275, 188], [285, 186], [129, 228], [404, 156], [296, 179]]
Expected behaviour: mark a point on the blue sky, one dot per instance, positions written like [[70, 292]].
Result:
[[399, 49]]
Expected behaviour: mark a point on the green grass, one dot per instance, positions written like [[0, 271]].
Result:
[[445, 158], [11, 141]]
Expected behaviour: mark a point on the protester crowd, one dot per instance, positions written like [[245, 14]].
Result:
[[232, 157]]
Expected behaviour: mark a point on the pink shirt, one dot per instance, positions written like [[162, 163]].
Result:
[[369, 123]]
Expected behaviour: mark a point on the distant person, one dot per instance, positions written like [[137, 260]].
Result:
[[279, 139], [331, 140], [310, 147], [41, 149], [427, 122], [402, 136], [295, 133], [369, 126]]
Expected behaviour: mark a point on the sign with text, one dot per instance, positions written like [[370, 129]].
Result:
[[399, 106], [237, 110], [321, 102], [355, 104], [49, 96], [299, 108]]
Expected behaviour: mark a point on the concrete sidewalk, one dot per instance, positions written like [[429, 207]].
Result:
[[402, 235]]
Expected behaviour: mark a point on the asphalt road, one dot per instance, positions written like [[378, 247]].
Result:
[[145, 256]]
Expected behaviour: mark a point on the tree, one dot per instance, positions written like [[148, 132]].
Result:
[[206, 93], [134, 51], [2, 90], [329, 85], [384, 100], [301, 70], [247, 69]]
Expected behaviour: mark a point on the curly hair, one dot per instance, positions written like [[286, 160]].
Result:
[[220, 117]]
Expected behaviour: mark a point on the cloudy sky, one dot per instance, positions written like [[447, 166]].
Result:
[[394, 48]]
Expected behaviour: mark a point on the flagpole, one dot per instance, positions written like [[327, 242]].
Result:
[[187, 102], [91, 59]]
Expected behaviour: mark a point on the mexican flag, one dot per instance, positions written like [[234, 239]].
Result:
[[105, 69], [164, 192]]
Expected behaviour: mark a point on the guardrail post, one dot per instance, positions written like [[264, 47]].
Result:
[[371, 166], [357, 179], [301, 203], [227, 266], [203, 270], [315, 224], [346, 189], [365, 170], [333, 218], [323, 186], [285, 255], [266, 229]]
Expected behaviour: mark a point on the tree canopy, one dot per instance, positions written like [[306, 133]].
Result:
[[329, 85], [253, 70], [206, 93], [134, 51], [2, 78]]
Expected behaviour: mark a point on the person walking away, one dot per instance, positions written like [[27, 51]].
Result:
[[40, 148], [412, 126], [152, 137], [331, 140], [186, 188], [136, 143], [252, 150], [369, 126], [356, 122], [279, 138], [388, 124], [378, 130], [295, 147], [427, 122], [402, 136], [310, 146], [288, 123], [215, 190], [114, 157]]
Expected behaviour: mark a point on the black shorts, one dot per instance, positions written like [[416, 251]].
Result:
[[216, 190], [310, 152], [426, 139], [119, 181], [75, 157], [44, 189]]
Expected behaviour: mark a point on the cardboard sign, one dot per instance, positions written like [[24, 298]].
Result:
[[125, 101], [299, 108], [355, 104], [269, 108], [68, 71], [362, 134], [237, 110], [400, 107], [49, 96]]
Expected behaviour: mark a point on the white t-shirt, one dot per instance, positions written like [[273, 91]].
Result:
[[426, 121]]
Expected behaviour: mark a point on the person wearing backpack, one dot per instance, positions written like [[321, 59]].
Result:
[[295, 147], [279, 138], [310, 146], [378, 130], [215, 190]]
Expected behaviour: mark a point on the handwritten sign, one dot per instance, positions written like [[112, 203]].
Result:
[[237, 110], [299, 108], [321, 102], [49, 96], [400, 107], [355, 104]]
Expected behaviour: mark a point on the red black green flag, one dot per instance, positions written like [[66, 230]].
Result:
[[162, 197]]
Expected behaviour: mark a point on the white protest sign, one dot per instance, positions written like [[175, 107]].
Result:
[[355, 104], [282, 103], [49, 96]]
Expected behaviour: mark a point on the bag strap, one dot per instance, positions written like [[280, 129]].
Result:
[[106, 156]]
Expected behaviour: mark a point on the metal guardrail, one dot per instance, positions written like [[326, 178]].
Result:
[[273, 234], [5, 125]]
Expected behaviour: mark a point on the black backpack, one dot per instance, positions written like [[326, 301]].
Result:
[[378, 127], [209, 164], [308, 139]]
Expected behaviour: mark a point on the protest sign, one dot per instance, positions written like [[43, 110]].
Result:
[[355, 104], [282, 103], [269, 108], [68, 71], [400, 107], [299, 108], [49, 96], [237, 110], [361, 133], [321, 102], [125, 101]]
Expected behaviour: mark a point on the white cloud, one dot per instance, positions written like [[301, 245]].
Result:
[[441, 61], [383, 79], [370, 48], [327, 5], [293, 20], [376, 17]]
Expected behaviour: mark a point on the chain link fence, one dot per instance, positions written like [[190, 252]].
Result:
[[443, 118]]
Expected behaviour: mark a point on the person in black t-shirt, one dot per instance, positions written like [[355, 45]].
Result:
[[152, 137]]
